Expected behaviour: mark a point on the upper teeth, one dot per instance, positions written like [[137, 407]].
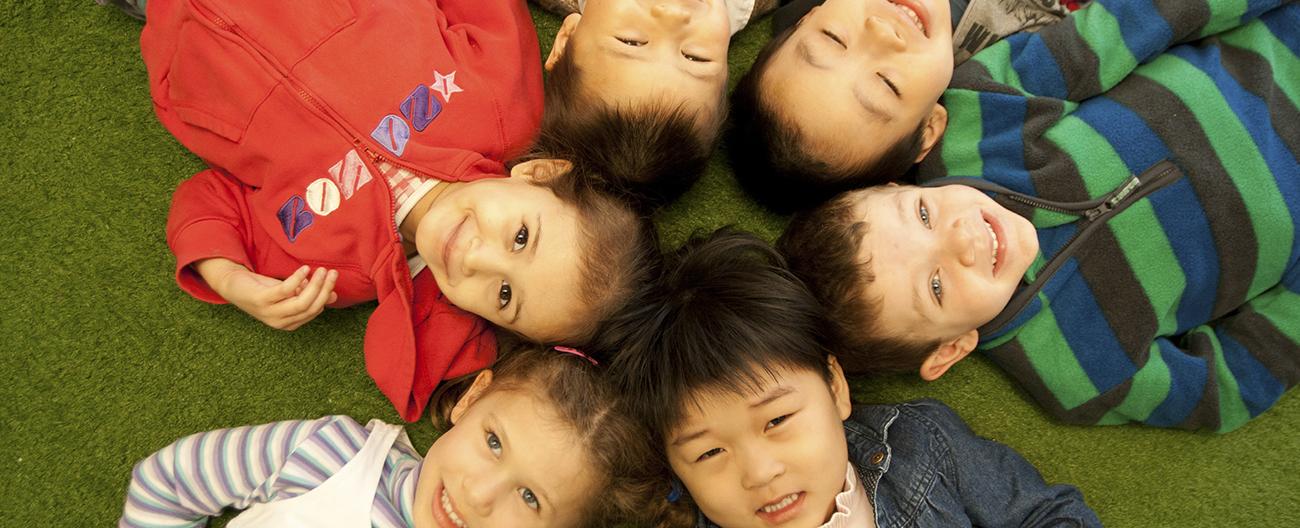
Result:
[[911, 15], [784, 502], [446, 507], [994, 237]]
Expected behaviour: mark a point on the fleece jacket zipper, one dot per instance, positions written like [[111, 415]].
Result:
[[1092, 215]]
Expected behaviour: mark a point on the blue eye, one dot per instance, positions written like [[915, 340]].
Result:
[[521, 238], [925, 216], [709, 454], [529, 498], [494, 443], [504, 294], [936, 287]]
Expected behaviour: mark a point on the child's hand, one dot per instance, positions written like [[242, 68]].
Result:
[[283, 304]]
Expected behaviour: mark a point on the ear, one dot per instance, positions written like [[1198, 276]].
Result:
[[840, 389], [541, 170], [562, 39], [948, 354], [475, 391], [935, 125]]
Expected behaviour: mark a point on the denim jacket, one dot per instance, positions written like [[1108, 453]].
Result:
[[922, 466]]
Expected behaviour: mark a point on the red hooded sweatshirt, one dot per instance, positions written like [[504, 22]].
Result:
[[293, 103]]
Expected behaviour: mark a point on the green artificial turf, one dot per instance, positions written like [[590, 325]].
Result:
[[108, 360]]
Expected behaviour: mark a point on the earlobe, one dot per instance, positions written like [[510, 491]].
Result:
[[562, 40], [541, 170], [935, 125], [475, 391], [840, 389], [948, 354]]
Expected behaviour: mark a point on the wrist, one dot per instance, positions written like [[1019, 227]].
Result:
[[216, 272]]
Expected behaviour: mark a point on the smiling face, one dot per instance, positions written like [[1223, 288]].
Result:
[[946, 259], [857, 76], [635, 52], [508, 461], [775, 456], [507, 250]]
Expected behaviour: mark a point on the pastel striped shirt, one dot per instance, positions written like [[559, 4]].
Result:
[[200, 475]]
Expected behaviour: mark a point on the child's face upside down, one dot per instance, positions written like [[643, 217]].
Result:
[[857, 76], [509, 251], [667, 52], [946, 260]]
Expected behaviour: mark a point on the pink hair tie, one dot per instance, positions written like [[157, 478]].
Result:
[[576, 352]]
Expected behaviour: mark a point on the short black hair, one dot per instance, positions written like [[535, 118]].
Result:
[[725, 316], [773, 164], [653, 153]]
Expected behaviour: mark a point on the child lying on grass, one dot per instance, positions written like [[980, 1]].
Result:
[[539, 440], [734, 378], [1139, 259], [371, 142], [849, 89]]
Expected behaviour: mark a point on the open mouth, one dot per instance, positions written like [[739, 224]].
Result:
[[997, 249], [781, 509], [912, 13], [446, 514]]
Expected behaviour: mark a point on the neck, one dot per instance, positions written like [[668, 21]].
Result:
[[411, 224]]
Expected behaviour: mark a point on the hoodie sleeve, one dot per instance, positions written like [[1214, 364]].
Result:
[[208, 219]]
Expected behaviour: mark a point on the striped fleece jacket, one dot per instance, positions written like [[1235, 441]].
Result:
[[1154, 145]]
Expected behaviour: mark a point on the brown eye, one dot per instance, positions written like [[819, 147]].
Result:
[[504, 294], [631, 42], [521, 238]]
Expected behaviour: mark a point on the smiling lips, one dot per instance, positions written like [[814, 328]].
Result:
[[997, 247], [449, 244], [911, 13], [449, 517], [782, 509]]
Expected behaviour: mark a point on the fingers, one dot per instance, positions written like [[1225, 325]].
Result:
[[292, 284], [310, 300]]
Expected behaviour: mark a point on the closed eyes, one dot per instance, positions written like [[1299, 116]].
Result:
[[890, 84], [835, 38]]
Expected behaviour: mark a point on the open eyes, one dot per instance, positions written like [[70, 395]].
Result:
[[521, 238], [504, 294], [530, 499], [936, 288], [709, 454], [924, 213], [631, 42]]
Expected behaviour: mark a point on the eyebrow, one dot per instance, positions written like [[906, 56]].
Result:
[[773, 395]]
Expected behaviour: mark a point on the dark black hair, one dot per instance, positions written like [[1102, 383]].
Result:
[[725, 315], [654, 152], [772, 162], [821, 246]]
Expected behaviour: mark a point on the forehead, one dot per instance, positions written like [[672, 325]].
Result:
[[552, 283], [544, 445]]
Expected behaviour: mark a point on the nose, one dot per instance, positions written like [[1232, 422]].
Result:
[[885, 34], [964, 240], [670, 14], [481, 257], [760, 468], [482, 489]]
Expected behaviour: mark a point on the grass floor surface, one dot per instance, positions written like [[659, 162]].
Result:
[[110, 361]]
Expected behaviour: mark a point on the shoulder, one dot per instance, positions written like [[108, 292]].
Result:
[[921, 420]]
